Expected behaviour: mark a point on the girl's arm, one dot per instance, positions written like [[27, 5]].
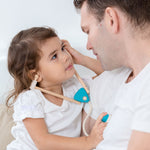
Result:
[[83, 60], [45, 141], [92, 64]]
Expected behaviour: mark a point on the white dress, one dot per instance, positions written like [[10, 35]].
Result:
[[64, 120]]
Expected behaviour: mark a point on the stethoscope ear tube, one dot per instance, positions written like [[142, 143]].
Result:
[[84, 122]]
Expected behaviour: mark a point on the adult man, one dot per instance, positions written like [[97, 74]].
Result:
[[119, 35]]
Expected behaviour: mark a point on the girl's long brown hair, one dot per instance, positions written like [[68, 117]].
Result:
[[23, 55]]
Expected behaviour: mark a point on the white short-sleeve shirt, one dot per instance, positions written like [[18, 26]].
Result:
[[64, 120], [129, 104]]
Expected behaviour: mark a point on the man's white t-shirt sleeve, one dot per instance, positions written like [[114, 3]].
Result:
[[28, 105]]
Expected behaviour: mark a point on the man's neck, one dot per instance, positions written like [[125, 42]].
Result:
[[138, 56]]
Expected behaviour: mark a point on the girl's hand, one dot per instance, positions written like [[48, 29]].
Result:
[[77, 56], [96, 135], [83, 60]]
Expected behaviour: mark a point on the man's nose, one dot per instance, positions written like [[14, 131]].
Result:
[[89, 46]]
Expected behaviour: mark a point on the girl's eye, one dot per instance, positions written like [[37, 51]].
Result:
[[63, 48], [54, 57]]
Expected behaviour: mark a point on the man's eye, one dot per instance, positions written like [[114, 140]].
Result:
[[54, 57]]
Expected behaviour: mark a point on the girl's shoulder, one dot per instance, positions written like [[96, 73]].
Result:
[[28, 105], [29, 97]]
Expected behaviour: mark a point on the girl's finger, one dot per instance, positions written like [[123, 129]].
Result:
[[99, 120]]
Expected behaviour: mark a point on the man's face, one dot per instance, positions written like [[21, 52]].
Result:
[[100, 40]]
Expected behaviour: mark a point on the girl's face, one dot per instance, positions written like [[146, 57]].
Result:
[[56, 64]]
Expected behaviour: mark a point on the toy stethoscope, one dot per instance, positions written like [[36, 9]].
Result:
[[81, 96]]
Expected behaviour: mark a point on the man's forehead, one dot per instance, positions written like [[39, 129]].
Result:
[[87, 19], [85, 22], [84, 10], [85, 16]]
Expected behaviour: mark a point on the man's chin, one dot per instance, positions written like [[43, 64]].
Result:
[[109, 67], [98, 57]]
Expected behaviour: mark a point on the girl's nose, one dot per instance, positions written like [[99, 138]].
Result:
[[66, 55]]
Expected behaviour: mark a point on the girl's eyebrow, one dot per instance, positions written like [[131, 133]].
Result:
[[62, 43], [52, 53]]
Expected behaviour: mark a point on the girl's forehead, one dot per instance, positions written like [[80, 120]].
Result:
[[53, 41], [51, 44]]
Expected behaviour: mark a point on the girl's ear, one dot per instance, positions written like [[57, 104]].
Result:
[[31, 74], [34, 74], [39, 79]]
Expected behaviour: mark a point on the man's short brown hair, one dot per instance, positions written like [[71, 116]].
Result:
[[137, 11]]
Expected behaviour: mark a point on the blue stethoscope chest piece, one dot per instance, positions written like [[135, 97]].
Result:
[[82, 96]]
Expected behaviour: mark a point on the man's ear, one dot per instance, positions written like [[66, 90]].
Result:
[[32, 73], [111, 19]]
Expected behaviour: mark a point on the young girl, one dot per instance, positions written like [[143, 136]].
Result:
[[44, 121]]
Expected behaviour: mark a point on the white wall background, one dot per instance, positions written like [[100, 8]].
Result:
[[16, 15]]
